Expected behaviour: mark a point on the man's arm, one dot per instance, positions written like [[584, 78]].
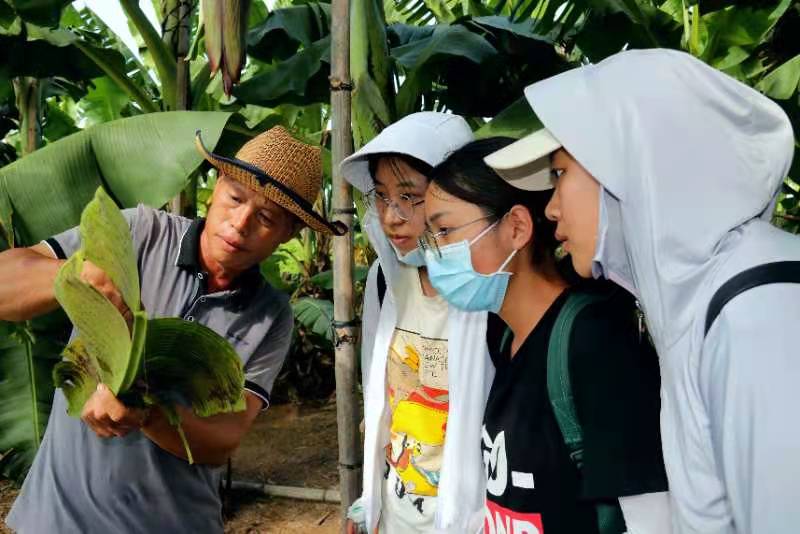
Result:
[[211, 439], [26, 282], [27, 276]]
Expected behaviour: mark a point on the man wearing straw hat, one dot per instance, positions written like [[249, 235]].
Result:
[[124, 470]]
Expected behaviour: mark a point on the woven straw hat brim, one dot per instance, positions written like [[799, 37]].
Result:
[[272, 189]]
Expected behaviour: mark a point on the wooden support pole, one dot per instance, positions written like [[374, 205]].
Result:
[[289, 492], [347, 407]]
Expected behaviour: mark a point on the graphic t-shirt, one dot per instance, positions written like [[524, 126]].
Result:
[[416, 382], [533, 486]]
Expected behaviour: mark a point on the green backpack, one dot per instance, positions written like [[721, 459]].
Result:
[[559, 390]]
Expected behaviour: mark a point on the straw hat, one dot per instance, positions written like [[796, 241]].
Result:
[[285, 170]]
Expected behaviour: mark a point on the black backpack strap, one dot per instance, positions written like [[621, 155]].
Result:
[[779, 272], [381, 285]]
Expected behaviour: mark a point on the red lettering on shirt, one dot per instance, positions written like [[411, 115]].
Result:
[[499, 520]]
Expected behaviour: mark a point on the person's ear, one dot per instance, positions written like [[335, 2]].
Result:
[[294, 230], [520, 226]]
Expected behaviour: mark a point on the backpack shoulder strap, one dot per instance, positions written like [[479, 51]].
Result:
[[381, 285], [610, 519], [559, 386], [768, 273]]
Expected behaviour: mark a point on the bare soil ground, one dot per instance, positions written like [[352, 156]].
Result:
[[290, 445]]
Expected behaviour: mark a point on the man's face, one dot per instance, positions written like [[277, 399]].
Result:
[[242, 227]]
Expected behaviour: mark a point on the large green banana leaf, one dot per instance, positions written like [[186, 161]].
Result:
[[42, 12], [146, 159], [160, 359], [371, 70], [293, 48], [516, 121], [216, 381], [301, 80], [40, 59], [282, 33], [476, 67], [105, 351], [316, 315], [27, 354]]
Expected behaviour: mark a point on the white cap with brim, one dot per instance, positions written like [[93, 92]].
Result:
[[525, 164], [426, 135]]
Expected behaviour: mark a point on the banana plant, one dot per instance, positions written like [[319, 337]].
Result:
[[225, 24]]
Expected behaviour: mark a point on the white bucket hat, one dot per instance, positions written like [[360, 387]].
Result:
[[427, 136]]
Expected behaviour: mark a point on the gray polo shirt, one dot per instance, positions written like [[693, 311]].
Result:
[[82, 483]]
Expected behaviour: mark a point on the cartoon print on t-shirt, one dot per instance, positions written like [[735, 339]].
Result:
[[418, 397]]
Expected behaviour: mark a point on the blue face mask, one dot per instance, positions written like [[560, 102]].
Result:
[[414, 258], [454, 278]]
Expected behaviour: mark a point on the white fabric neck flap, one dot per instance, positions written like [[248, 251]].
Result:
[[688, 154]]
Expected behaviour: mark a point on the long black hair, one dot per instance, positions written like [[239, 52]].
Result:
[[466, 176]]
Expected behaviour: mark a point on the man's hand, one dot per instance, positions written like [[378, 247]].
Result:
[[108, 417], [97, 277]]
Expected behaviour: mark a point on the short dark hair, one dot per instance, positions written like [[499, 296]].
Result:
[[466, 176], [415, 163]]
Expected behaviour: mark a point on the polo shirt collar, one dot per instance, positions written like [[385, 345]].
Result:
[[189, 259], [189, 249]]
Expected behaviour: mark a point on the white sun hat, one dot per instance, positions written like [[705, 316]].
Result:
[[427, 136], [525, 164]]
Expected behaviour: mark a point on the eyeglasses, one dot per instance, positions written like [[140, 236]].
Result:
[[403, 206], [430, 240]]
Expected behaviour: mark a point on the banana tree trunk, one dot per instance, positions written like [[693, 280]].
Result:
[[29, 99], [178, 26], [347, 408], [163, 56]]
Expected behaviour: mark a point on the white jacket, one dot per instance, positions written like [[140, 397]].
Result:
[[691, 161]]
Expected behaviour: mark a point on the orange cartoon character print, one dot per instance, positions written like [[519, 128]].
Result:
[[418, 398]]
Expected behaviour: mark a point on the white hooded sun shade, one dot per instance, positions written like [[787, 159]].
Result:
[[689, 152], [690, 161]]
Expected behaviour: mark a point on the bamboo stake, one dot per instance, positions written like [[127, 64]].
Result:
[[347, 408], [289, 492]]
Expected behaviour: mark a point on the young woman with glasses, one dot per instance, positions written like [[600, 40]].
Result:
[[425, 367], [490, 247]]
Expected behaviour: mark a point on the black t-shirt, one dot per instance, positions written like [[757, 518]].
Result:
[[533, 485]]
